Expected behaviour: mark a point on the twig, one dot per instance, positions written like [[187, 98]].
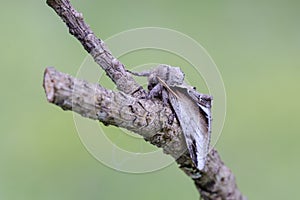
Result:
[[95, 47], [128, 109], [145, 117]]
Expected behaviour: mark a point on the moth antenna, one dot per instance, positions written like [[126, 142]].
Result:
[[167, 87], [144, 73]]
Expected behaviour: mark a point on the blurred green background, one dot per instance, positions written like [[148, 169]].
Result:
[[256, 45]]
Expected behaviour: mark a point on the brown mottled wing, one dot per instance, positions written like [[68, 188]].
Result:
[[195, 120]]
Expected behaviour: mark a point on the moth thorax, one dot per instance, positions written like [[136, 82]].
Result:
[[175, 76], [171, 75]]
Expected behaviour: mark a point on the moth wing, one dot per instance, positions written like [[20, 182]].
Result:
[[195, 121]]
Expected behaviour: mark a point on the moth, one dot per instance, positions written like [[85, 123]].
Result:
[[192, 109]]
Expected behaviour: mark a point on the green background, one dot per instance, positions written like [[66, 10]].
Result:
[[256, 46]]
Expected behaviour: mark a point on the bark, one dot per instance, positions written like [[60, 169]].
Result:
[[128, 108], [95, 46]]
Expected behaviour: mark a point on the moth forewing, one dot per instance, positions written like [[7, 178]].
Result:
[[194, 124], [194, 120]]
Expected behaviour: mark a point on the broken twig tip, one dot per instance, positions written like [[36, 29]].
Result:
[[48, 84]]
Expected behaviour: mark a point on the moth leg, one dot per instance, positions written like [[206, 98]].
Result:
[[159, 91], [143, 73], [155, 91], [165, 97]]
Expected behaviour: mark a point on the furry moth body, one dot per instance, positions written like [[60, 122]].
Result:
[[193, 109]]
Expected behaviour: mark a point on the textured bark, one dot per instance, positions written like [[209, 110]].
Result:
[[95, 46], [142, 116], [129, 109]]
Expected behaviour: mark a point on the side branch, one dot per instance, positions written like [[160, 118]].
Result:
[[112, 108], [95, 47], [148, 118]]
